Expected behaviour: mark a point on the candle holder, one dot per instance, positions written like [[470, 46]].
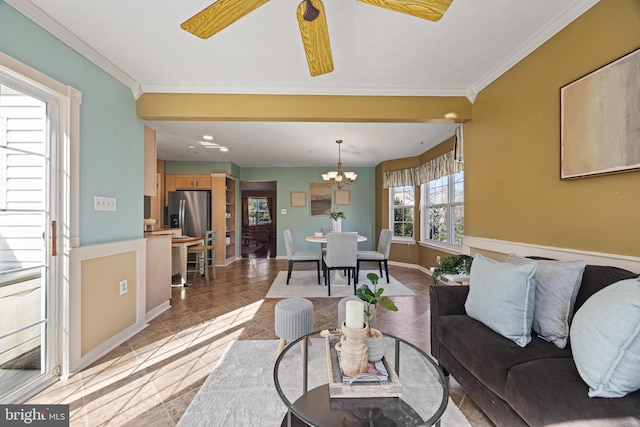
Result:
[[354, 353]]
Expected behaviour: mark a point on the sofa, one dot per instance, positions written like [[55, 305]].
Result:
[[536, 384]]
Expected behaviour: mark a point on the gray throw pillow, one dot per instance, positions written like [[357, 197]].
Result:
[[557, 286]]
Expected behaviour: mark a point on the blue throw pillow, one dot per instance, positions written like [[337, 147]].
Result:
[[605, 340], [501, 296]]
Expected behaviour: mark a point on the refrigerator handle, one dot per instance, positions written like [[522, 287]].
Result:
[[181, 215]]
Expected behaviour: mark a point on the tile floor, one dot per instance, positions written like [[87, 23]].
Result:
[[152, 378]]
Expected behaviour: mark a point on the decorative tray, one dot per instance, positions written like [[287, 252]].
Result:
[[385, 384]]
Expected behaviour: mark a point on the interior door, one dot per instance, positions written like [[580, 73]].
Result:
[[28, 356]]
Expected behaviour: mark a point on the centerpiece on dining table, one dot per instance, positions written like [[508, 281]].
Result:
[[336, 216]]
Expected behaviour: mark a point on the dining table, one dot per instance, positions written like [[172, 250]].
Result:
[[179, 245], [323, 238]]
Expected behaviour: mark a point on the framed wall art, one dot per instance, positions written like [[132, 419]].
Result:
[[319, 198], [600, 120], [298, 199], [342, 197]]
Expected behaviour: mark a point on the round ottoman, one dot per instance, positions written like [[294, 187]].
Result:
[[294, 318], [342, 308]]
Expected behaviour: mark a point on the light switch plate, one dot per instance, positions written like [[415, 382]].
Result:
[[101, 203], [283, 211]]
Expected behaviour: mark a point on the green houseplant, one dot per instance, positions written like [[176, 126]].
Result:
[[372, 297], [337, 214], [454, 264]]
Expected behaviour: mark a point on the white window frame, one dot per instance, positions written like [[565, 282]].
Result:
[[449, 245], [392, 208], [258, 211]]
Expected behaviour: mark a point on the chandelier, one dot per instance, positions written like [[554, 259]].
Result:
[[339, 178]]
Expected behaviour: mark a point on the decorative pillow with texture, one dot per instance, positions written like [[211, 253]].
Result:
[[557, 286], [501, 296], [605, 340]]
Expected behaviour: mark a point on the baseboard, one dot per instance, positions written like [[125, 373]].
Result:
[[97, 352], [153, 313]]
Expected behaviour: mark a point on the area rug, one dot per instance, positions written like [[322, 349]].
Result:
[[304, 283], [241, 392]]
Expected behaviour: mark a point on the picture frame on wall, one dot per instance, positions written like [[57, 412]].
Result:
[[342, 197], [319, 199], [298, 199], [600, 116]]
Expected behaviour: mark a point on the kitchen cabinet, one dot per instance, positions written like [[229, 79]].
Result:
[[158, 269], [150, 161], [192, 182]]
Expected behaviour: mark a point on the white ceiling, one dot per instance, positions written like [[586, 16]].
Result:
[[375, 52]]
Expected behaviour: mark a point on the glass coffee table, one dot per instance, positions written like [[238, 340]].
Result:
[[304, 387]]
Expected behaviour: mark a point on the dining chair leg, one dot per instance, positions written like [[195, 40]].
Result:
[[289, 271], [318, 267], [386, 270], [380, 267]]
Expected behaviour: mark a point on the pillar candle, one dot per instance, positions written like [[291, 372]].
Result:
[[354, 318]]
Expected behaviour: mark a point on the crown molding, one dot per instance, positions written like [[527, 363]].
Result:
[[569, 15], [43, 20]]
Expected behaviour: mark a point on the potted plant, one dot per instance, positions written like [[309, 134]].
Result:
[[454, 264], [337, 216], [372, 297]]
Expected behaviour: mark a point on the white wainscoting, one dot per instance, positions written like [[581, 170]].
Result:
[[73, 359], [524, 249]]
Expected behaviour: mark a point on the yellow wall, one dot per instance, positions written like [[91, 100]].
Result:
[[104, 312], [513, 189]]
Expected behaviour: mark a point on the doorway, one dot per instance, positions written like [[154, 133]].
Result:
[[29, 208], [259, 228]]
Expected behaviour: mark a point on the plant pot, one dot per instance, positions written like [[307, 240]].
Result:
[[336, 225], [375, 346]]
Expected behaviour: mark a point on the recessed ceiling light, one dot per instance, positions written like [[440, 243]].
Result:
[[224, 149], [191, 146], [208, 137], [208, 144]]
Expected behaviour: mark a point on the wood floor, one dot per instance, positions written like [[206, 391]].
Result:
[[152, 378]]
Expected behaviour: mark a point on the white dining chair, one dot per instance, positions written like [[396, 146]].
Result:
[[341, 255], [380, 256], [299, 256]]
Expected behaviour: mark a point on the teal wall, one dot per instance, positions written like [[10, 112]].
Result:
[[360, 213], [111, 135]]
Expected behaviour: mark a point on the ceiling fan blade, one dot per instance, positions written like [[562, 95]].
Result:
[[315, 37], [432, 10], [219, 16]]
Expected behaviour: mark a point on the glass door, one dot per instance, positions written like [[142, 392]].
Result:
[[27, 239]]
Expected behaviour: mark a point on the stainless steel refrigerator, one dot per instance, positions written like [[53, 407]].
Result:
[[190, 211]]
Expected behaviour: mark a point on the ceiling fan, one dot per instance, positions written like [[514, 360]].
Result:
[[311, 20]]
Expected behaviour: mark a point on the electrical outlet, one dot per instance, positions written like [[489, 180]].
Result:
[[124, 286]]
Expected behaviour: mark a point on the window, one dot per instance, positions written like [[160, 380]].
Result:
[[402, 206], [443, 216], [258, 211]]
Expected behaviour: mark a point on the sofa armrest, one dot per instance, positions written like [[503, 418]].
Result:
[[444, 300]]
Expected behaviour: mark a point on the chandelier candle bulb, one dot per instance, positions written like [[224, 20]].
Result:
[[354, 316]]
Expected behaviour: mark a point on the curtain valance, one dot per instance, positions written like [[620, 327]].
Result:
[[444, 165]]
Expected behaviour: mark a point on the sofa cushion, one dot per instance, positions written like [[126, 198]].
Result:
[[557, 285], [596, 277], [488, 355], [501, 295], [550, 392], [606, 340]]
